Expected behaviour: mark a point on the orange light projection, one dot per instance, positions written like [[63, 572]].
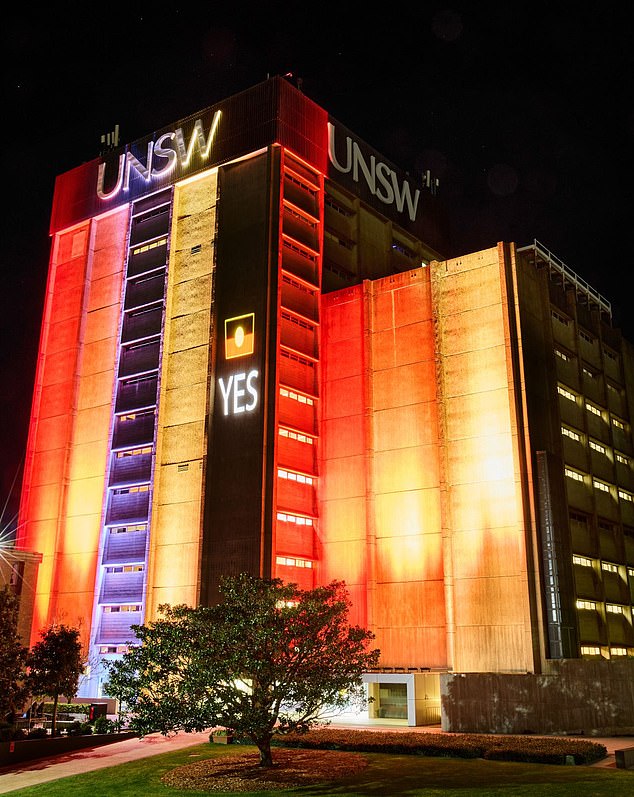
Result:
[[482, 499], [380, 507]]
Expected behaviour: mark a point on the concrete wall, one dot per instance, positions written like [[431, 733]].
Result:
[[589, 697]]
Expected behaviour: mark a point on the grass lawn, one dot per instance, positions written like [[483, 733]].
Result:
[[389, 775]]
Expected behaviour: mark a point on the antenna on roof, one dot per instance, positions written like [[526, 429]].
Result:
[[110, 140]]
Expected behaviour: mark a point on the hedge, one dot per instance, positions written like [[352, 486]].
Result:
[[532, 749]]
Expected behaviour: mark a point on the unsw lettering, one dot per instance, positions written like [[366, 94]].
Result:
[[162, 157]]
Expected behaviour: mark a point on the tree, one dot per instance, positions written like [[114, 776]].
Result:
[[13, 691], [270, 659], [55, 664]]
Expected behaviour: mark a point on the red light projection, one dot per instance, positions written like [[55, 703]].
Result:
[[60, 510]]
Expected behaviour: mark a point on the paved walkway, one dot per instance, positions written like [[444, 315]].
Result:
[[31, 773]]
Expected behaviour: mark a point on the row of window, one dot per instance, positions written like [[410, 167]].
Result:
[[595, 650], [608, 567], [598, 484], [293, 435], [610, 608], [595, 445], [592, 408], [587, 336], [299, 520], [291, 561], [302, 398], [295, 476]]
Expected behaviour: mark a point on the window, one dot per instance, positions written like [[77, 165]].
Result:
[[570, 433], [299, 520], [590, 650], [589, 605], [613, 608], [559, 317], [618, 423], [594, 410], [294, 476], [609, 567], [562, 354], [630, 572], [622, 458], [603, 486], [625, 496], [586, 336], [596, 446], [291, 561], [581, 560], [618, 651], [610, 355], [146, 247], [566, 393], [587, 372], [299, 397], [573, 474], [293, 435]]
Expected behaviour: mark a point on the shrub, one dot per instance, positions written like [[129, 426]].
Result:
[[104, 725], [78, 728], [37, 733]]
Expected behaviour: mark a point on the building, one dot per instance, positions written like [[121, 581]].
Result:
[[18, 574], [256, 357]]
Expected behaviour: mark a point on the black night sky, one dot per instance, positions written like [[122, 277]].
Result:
[[523, 111]]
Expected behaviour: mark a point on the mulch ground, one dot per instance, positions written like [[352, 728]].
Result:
[[240, 772]]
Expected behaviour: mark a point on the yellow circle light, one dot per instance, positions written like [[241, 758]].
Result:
[[239, 337]]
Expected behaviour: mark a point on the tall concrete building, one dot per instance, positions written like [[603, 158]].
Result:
[[256, 357]]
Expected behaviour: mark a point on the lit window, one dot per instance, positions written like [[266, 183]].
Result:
[[590, 605], [613, 608], [619, 424], [566, 393], [294, 476], [588, 373], [594, 410], [146, 247], [596, 446], [291, 561], [590, 650], [293, 435], [609, 567], [618, 651], [299, 397], [622, 458], [573, 474], [570, 433], [299, 520], [630, 572], [581, 560], [625, 496], [563, 355], [605, 488]]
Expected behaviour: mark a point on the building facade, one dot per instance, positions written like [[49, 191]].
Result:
[[256, 357]]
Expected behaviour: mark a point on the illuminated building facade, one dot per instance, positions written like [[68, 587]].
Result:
[[255, 358]]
